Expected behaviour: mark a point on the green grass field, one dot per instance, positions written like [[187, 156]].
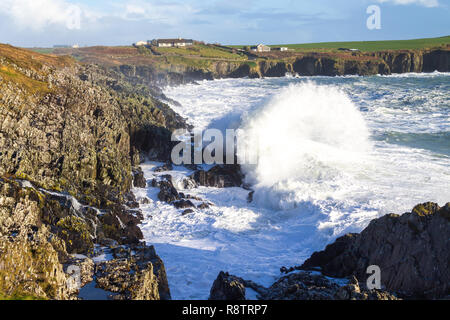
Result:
[[200, 50], [370, 45]]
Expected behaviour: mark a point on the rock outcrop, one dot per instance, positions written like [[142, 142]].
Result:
[[220, 176], [296, 286], [227, 287], [136, 273], [412, 251], [42, 235], [71, 140]]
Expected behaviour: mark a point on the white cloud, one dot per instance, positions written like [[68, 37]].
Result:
[[37, 14], [425, 3]]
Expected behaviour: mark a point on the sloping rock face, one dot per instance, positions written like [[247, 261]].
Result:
[[39, 234], [227, 287], [31, 255], [71, 138], [74, 135], [412, 251]]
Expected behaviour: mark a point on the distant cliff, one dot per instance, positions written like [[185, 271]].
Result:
[[310, 64]]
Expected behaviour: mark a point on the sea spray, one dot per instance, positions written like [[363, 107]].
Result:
[[308, 135], [253, 240]]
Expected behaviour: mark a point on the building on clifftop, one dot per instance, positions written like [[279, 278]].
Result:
[[171, 42]]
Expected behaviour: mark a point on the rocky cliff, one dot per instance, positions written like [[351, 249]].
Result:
[[412, 251], [303, 64], [70, 137]]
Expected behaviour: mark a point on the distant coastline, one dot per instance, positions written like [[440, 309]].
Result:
[[161, 66]]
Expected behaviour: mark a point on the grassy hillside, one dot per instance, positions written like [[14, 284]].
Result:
[[370, 45], [200, 50]]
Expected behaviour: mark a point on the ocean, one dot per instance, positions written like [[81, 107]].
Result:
[[334, 153]]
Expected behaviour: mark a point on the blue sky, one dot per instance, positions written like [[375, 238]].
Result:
[[99, 22]]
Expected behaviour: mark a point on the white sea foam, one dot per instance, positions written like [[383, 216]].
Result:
[[338, 152]]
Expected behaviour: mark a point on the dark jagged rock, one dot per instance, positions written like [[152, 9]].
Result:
[[187, 211], [189, 183], [220, 176], [168, 193], [296, 286], [138, 178], [309, 286], [227, 287], [183, 204], [250, 196], [412, 251], [203, 206]]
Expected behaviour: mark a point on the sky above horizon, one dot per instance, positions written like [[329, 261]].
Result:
[[44, 23]]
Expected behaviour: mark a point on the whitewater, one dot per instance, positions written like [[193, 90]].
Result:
[[333, 154]]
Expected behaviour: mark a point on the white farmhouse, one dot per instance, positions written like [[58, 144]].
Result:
[[260, 48], [167, 43]]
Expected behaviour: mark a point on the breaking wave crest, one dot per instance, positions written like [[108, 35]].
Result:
[[308, 140]]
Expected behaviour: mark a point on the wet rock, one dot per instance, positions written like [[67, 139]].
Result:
[[189, 184], [144, 200], [250, 196], [227, 287], [187, 211], [203, 206], [220, 176], [138, 178], [183, 204], [168, 193], [132, 204], [412, 251], [299, 286], [165, 167]]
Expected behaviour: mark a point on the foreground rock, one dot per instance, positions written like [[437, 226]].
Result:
[[227, 287], [136, 273], [42, 237], [296, 286], [308, 286], [412, 251]]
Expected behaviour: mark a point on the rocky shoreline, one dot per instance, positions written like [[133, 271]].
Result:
[[71, 140], [411, 250], [72, 137]]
